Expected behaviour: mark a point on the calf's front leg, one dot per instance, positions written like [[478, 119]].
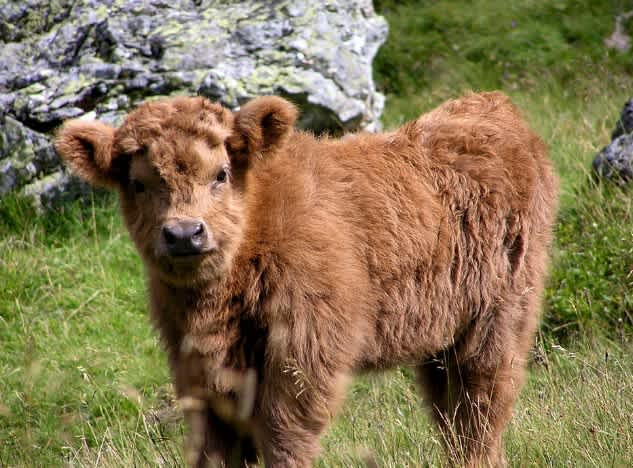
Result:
[[294, 410]]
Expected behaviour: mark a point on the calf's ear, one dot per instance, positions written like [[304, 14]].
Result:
[[86, 146], [262, 125]]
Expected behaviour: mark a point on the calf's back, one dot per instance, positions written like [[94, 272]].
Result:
[[394, 244]]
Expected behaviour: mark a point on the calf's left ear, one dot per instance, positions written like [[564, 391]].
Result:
[[86, 146], [262, 125]]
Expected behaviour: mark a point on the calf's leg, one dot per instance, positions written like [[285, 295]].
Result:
[[471, 394], [293, 415]]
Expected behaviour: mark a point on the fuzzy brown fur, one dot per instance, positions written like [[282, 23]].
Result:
[[425, 246]]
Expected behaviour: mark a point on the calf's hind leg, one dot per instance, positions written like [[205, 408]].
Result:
[[471, 397]]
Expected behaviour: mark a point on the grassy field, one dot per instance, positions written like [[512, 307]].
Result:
[[83, 381]]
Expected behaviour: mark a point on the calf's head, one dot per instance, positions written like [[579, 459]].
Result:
[[180, 167]]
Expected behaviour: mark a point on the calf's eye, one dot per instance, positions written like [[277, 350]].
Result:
[[221, 176], [137, 186]]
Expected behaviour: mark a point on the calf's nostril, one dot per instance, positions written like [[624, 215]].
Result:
[[199, 236], [184, 237], [169, 236], [198, 230]]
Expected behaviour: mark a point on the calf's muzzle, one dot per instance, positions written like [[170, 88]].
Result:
[[185, 237]]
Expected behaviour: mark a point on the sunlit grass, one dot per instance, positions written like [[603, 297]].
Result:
[[576, 410]]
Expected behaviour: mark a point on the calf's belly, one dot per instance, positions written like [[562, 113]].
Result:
[[408, 337]]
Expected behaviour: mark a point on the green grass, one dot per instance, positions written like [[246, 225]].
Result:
[[493, 44], [577, 410], [74, 332], [82, 375]]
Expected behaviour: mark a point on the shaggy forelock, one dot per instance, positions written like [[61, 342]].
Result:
[[176, 135], [182, 117]]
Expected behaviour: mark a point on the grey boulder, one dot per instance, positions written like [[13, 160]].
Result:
[[99, 58]]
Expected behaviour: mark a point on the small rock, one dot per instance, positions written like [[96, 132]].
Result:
[[615, 161], [625, 122]]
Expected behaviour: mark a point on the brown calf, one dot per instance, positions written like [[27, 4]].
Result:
[[311, 259]]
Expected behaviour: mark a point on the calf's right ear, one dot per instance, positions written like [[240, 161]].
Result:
[[86, 146]]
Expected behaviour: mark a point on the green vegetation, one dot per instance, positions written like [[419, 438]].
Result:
[[82, 377], [574, 411], [489, 44], [77, 350]]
